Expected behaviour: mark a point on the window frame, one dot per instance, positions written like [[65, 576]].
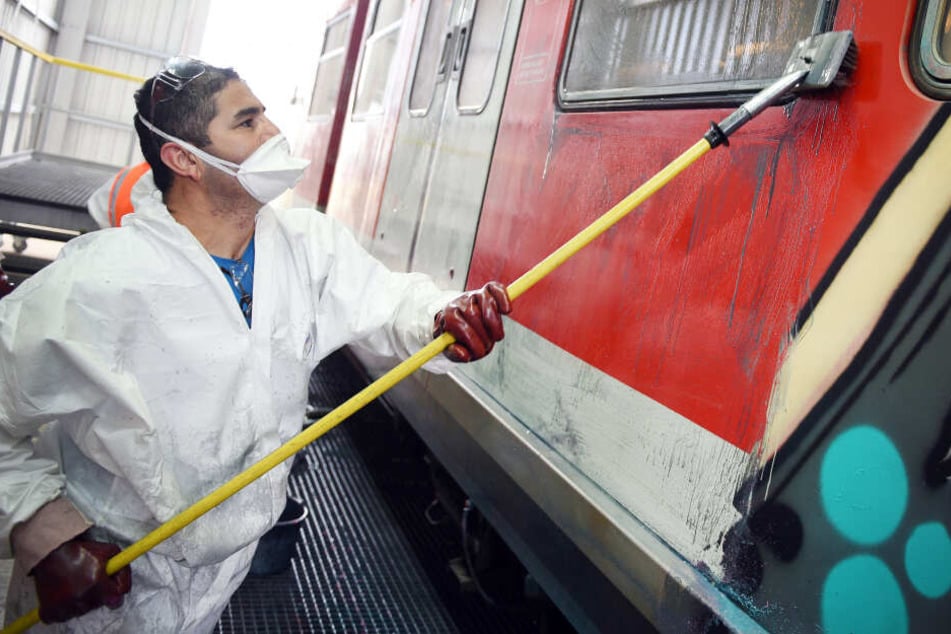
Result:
[[374, 35], [461, 72], [447, 44], [698, 95], [325, 55]]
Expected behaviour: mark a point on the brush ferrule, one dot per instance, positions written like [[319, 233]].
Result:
[[734, 121], [720, 133], [769, 95]]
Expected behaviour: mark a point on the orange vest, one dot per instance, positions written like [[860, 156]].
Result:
[[120, 194]]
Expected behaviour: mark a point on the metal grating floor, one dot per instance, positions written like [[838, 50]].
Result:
[[367, 560], [53, 180], [353, 572]]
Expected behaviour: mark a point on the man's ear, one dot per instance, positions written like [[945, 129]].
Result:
[[181, 161]]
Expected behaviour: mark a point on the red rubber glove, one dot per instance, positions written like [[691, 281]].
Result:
[[475, 320], [6, 287], [72, 580]]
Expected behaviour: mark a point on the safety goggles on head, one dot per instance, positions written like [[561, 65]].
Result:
[[178, 72]]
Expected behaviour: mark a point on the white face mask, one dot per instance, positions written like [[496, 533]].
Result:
[[266, 174]]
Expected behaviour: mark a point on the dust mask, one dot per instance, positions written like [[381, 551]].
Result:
[[266, 174]]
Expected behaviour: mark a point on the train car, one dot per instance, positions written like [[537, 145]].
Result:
[[732, 409]]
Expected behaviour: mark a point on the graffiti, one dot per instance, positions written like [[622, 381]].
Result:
[[846, 525], [928, 560], [864, 492], [863, 485], [862, 595]]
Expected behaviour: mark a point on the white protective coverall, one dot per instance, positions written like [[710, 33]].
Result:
[[132, 354]]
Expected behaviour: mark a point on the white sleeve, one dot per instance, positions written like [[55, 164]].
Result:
[[388, 313], [27, 482]]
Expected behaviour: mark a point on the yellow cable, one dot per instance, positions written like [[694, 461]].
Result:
[[52, 59], [385, 382]]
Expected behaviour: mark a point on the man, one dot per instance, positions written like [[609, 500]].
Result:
[[150, 364]]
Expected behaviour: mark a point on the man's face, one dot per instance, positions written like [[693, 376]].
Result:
[[240, 127]]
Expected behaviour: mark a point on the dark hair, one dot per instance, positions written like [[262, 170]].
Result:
[[185, 115]]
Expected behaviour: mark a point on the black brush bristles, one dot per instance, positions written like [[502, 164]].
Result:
[[847, 66]]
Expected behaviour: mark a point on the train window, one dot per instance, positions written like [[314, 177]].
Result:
[[387, 12], [642, 52], [434, 46], [484, 42], [378, 53], [336, 36], [323, 100], [930, 54]]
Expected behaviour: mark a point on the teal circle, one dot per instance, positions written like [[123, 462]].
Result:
[[861, 594], [928, 559], [863, 485]]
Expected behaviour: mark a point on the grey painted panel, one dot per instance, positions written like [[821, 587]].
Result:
[[413, 146], [670, 474]]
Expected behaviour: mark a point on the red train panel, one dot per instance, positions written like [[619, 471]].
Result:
[[692, 299]]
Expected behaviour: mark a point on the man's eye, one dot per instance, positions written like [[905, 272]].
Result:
[[247, 123]]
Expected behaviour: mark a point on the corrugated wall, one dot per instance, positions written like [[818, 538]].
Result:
[[89, 116], [135, 38], [35, 23]]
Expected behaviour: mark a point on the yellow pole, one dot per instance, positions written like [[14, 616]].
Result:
[[388, 380]]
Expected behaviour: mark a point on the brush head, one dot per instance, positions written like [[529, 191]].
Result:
[[830, 58]]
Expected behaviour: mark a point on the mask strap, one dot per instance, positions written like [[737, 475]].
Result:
[[225, 166]]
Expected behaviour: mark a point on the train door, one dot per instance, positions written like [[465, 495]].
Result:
[[433, 197]]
